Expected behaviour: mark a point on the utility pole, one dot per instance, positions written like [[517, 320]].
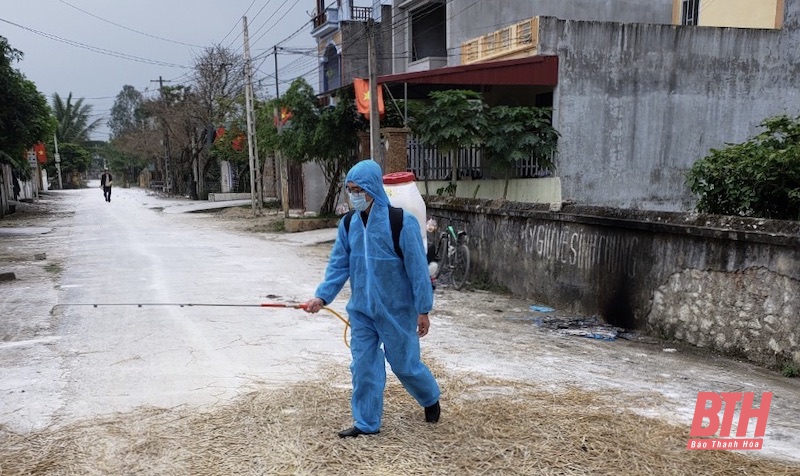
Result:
[[255, 177], [282, 168], [167, 159], [58, 163], [374, 116]]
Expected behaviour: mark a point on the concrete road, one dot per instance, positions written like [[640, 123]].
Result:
[[62, 360], [82, 361]]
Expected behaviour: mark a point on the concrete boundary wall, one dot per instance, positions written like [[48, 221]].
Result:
[[637, 104], [529, 190], [725, 283]]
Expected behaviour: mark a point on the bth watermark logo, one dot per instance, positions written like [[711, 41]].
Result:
[[703, 411]]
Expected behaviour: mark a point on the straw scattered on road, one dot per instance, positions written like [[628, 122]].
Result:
[[488, 426]]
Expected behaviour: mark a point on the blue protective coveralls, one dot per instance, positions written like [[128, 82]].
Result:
[[388, 294]]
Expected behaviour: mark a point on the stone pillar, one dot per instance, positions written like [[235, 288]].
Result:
[[395, 140], [363, 145]]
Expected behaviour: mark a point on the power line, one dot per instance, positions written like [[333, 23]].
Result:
[[96, 49], [395, 25], [127, 28], [305, 25], [237, 23], [276, 22], [407, 20], [251, 20]]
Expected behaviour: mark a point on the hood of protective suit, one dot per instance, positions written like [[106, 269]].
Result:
[[367, 174]]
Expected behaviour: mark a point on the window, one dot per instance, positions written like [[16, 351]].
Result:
[[332, 76], [428, 31], [690, 11]]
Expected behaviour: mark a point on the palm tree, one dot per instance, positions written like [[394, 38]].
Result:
[[72, 131], [73, 120]]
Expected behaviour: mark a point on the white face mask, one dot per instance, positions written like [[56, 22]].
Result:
[[359, 200]]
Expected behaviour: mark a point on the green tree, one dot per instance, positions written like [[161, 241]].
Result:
[[336, 136], [513, 134], [232, 147], [24, 113], [759, 177], [73, 128], [75, 160], [124, 163], [266, 131], [126, 113], [326, 136], [453, 119], [73, 119], [296, 141]]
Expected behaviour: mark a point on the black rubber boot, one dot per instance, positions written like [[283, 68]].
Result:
[[352, 432], [432, 413]]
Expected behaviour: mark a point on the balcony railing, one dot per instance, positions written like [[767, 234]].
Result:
[[513, 40], [362, 13], [320, 20], [326, 22]]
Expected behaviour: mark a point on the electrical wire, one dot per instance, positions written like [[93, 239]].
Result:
[[276, 22], [241, 32], [395, 25], [96, 49], [129, 29], [357, 38], [237, 22]]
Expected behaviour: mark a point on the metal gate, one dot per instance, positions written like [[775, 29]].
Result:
[[296, 196]]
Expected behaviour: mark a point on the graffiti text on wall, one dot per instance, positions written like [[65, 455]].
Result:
[[586, 251]]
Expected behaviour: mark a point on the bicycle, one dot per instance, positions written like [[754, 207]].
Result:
[[452, 255]]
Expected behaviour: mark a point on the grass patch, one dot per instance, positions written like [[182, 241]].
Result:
[[790, 371]]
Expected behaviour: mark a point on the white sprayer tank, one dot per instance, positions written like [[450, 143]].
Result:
[[402, 190]]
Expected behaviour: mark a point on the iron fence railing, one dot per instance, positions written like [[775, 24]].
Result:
[[426, 162], [362, 13]]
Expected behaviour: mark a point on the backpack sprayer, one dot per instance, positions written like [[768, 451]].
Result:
[[266, 304]]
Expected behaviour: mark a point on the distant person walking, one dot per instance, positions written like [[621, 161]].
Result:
[[105, 182]]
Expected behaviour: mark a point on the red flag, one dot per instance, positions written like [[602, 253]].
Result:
[[285, 115], [362, 97], [220, 132], [41, 154], [237, 142]]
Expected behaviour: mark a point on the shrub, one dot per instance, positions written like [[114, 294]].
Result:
[[757, 178]]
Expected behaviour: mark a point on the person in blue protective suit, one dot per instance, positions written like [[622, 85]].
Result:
[[389, 303]]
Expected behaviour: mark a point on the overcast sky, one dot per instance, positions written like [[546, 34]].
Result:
[[56, 66]]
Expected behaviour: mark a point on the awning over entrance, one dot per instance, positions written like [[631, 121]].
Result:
[[537, 71]]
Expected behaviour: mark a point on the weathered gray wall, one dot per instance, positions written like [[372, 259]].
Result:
[[638, 104], [732, 285], [354, 48], [470, 19]]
